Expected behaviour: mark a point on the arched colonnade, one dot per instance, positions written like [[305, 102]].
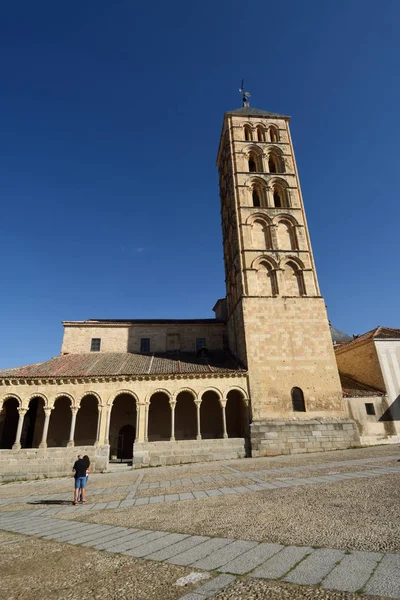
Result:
[[160, 416]]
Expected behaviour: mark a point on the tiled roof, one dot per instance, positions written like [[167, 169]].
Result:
[[379, 333], [146, 322], [254, 112], [126, 363], [352, 388]]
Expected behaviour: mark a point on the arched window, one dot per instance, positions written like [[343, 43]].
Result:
[[293, 280], [298, 400], [266, 280], [260, 134], [248, 135], [277, 199], [272, 164], [286, 236], [256, 197], [260, 234], [273, 134], [255, 165]]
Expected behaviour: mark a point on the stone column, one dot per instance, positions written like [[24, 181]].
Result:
[[172, 404], [17, 443], [146, 422], [198, 404], [108, 420], [47, 413], [137, 422], [223, 406], [141, 433], [72, 430], [97, 442]]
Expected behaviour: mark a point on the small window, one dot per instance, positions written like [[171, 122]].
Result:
[[298, 400], [256, 198], [145, 345], [95, 345], [277, 200], [200, 343], [370, 408]]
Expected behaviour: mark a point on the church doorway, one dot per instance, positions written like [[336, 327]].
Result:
[[33, 424], [211, 423], [122, 427], [237, 415], [126, 439]]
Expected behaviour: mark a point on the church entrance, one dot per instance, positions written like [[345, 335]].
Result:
[[122, 427], [126, 439]]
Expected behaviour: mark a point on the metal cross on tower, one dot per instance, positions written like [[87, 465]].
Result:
[[245, 95]]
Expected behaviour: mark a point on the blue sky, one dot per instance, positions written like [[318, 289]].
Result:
[[110, 120]]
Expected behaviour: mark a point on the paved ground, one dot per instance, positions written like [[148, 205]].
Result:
[[316, 526]]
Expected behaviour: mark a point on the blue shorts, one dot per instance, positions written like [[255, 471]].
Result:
[[80, 482]]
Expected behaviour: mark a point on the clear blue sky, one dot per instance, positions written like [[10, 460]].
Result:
[[110, 121]]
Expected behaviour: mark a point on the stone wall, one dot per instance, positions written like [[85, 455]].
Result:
[[38, 463], [275, 437], [126, 338], [373, 429], [188, 451], [360, 360]]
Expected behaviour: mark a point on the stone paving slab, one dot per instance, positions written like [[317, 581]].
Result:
[[386, 579], [194, 554], [150, 547], [277, 566], [124, 544], [178, 548], [215, 585], [353, 572], [314, 568], [224, 555], [135, 542], [91, 536], [123, 539], [251, 559]]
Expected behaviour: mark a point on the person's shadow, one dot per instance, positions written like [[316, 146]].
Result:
[[51, 502]]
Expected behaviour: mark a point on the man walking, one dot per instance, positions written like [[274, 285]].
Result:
[[79, 470]]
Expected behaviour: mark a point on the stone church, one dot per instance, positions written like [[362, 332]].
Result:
[[259, 379]]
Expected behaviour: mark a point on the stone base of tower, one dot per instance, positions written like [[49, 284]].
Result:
[[272, 437]]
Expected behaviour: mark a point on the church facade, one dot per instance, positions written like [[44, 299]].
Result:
[[260, 379]]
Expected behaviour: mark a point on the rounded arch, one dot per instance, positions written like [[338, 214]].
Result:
[[39, 395], [276, 163], [285, 216], [185, 414], [159, 416], [53, 401], [297, 261], [261, 260], [14, 396], [60, 420], [237, 414], [211, 389], [87, 419], [286, 234], [260, 131], [293, 278], [123, 424], [88, 393], [273, 133], [236, 388], [267, 281], [211, 420], [185, 389], [258, 216], [115, 395], [9, 418], [248, 132], [158, 391], [298, 403], [261, 234], [33, 424]]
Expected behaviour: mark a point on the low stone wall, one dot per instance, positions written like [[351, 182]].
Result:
[[37, 463], [151, 454], [275, 437]]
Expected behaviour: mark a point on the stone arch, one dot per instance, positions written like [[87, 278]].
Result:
[[248, 132], [237, 414], [159, 419], [33, 424], [63, 395], [87, 419], [273, 133], [156, 391], [286, 235], [267, 281], [39, 395], [60, 421], [261, 234], [298, 403], [89, 393], [260, 130], [293, 279], [254, 159], [14, 396], [237, 388], [185, 414], [276, 163], [123, 424], [211, 421], [9, 421]]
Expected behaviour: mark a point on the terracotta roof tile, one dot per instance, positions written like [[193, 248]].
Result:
[[352, 387], [123, 363], [379, 333]]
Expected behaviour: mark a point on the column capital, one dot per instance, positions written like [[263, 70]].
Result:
[[47, 411], [74, 410], [22, 411], [172, 403], [222, 402], [198, 402]]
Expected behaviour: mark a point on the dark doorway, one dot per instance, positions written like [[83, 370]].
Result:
[[8, 423], [126, 439]]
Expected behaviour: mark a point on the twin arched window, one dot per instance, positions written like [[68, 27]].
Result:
[[255, 163], [275, 163], [263, 135]]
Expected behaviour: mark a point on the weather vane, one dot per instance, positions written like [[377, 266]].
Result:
[[245, 95]]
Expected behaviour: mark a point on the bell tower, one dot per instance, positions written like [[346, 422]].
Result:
[[276, 317]]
